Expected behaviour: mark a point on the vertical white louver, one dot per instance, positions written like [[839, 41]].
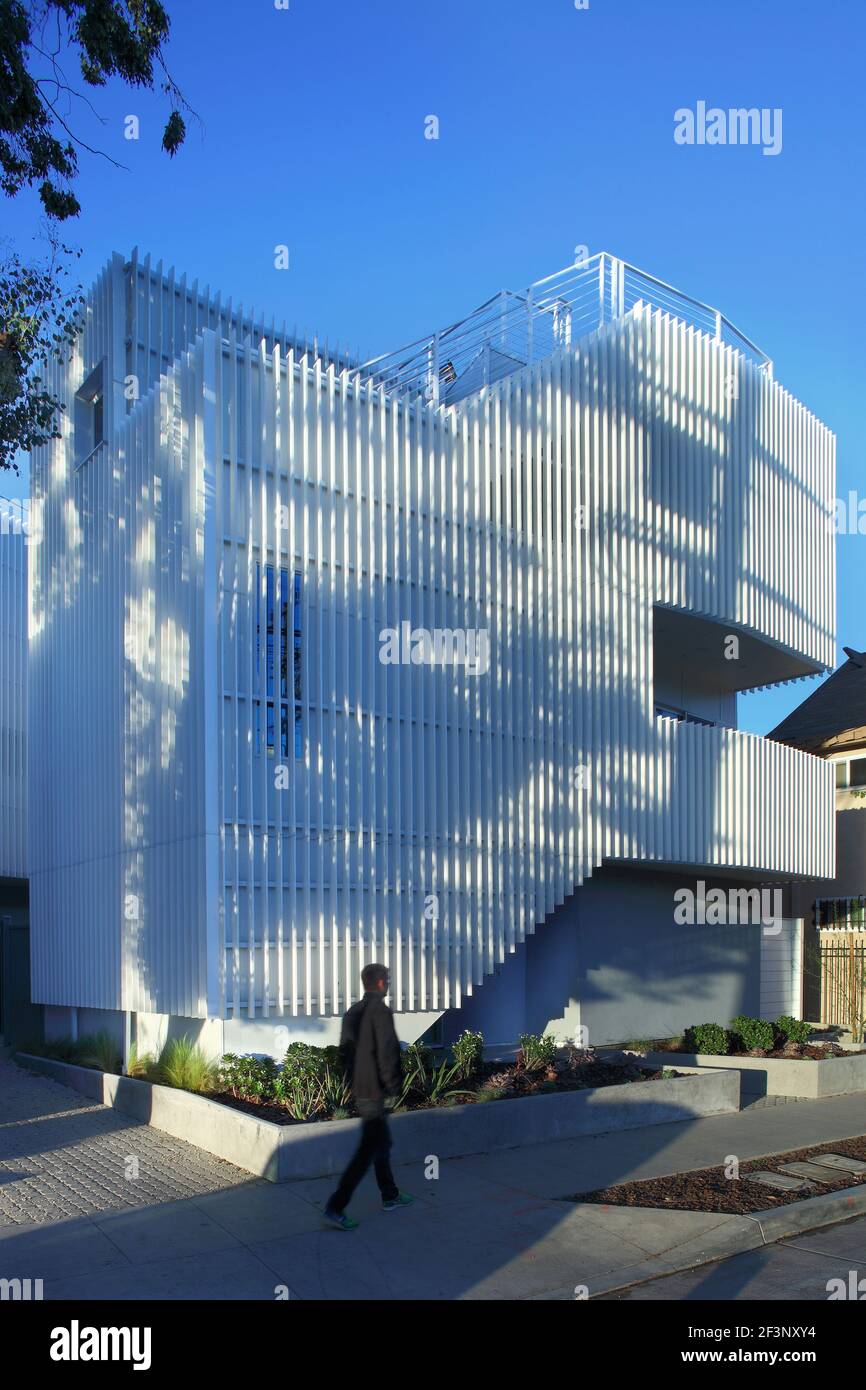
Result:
[[434, 817], [13, 690]]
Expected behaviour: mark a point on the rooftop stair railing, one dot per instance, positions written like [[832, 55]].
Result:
[[512, 330]]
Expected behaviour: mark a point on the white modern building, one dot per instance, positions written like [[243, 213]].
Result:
[[431, 660]]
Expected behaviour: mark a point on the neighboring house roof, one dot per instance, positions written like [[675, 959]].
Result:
[[836, 708]]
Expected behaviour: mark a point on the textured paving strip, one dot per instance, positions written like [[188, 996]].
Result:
[[770, 1102], [62, 1155]]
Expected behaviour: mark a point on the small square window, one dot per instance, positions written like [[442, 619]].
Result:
[[857, 776], [89, 418]]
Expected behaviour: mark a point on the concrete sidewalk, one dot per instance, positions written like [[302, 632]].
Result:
[[487, 1227], [792, 1271]]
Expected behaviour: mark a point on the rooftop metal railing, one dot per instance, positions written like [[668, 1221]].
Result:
[[513, 330]]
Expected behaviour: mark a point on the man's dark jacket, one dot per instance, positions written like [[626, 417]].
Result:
[[371, 1054]]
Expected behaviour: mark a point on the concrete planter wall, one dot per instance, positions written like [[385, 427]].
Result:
[[776, 1076], [283, 1153]]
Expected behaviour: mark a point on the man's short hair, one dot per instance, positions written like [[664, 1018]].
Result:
[[372, 974]]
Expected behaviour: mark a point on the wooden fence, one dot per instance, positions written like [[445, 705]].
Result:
[[838, 967]]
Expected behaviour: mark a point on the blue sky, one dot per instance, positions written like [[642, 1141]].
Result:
[[556, 130]]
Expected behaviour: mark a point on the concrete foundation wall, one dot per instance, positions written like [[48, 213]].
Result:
[[613, 961], [64, 1022], [215, 1036]]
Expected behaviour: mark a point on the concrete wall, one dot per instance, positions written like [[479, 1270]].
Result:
[[782, 971], [215, 1036], [64, 1022], [613, 961]]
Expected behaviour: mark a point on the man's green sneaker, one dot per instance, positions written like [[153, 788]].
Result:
[[339, 1219], [401, 1200]]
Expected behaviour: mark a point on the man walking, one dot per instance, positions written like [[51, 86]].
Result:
[[371, 1056]]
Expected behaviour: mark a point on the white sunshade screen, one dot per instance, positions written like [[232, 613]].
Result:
[[438, 812]]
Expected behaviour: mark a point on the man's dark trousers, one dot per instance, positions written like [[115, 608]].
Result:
[[375, 1148]]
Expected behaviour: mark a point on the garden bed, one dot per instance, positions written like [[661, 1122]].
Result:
[[774, 1057], [289, 1151], [774, 1075], [779, 1075], [493, 1081], [710, 1190]]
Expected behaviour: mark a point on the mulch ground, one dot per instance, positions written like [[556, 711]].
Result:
[[518, 1084], [708, 1189], [794, 1052]]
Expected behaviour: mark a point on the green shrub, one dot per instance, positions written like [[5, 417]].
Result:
[[468, 1052], [312, 1081], [101, 1052], [183, 1064], [63, 1049], [300, 1093], [752, 1033], [711, 1039], [336, 1093], [426, 1083], [538, 1050], [139, 1066], [302, 1059], [792, 1030], [248, 1078]]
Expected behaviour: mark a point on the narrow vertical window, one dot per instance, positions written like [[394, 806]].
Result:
[[284, 634], [269, 599], [88, 417], [283, 706], [284, 731], [271, 732], [257, 600], [297, 637], [298, 670]]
